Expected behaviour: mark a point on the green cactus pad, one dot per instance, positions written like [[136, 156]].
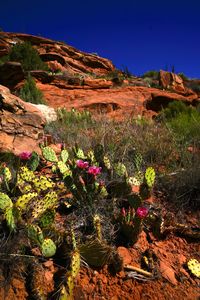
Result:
[[5, 202], [48, 248], [64, 155], [79, 153], [47, 218], [49, 154], [35, 234], [138, 160], [120, 169], [150, 176], [63, 168], [33, 162], [7, 174], [10, 218]]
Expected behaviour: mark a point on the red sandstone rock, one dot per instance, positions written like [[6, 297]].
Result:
[[125, 254], [20, 124], [51, 51]]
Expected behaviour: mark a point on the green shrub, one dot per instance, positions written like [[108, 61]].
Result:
[[27, 56], [30, 93], [183, 121], [151, 74]]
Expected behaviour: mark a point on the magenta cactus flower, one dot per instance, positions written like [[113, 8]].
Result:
[[25, 155], [123, 212], [94, 170], [142, 212], [82, 164]]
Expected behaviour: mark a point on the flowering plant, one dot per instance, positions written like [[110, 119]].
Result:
[[25, 155]]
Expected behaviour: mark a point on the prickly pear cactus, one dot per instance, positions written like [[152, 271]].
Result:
[[25, 175], [150, 176], [43, 183], [120, 169], [49, 201], [49, 154], [97, 226], [33, 162], [79, 153], [48, 248], [138, 160], [64, 155], [35, 233], [5, 202], [75, 263], [63, 168], [47, 218], [7, 174], [107, 163], [23, 200], [9, 216]]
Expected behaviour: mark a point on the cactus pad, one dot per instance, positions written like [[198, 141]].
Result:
[[150, 176], [49, 154], [23, 200], [75, 263], [64, 155], [194, 267], [120, 169], [7, 174], [48, 248], [5, 202]]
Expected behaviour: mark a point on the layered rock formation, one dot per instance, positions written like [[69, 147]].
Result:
[[21, 124], [79, 80]]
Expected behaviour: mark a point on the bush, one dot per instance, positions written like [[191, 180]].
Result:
[[30, 93], [151, 74], [183, 121], [27, 56]]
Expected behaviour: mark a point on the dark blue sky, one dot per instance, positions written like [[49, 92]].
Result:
[[141, 35]]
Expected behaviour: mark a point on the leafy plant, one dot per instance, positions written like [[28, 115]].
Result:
[[27, 56], [30, 93]]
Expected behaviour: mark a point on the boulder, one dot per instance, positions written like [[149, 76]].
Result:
[[11, 73], [21, 124]]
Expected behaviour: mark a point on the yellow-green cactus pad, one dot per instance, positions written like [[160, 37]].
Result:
[[5, 202], [75, 263], [7, 174], [25, 174], [23, 200], [194, 267], [48, 248], [43, 183]]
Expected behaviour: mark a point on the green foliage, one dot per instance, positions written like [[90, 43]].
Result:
[[184, 122], [27, 56], [30, 93], [151, 74]]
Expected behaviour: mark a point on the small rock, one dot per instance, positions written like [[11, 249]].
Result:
[[125, 254], [167, 272]]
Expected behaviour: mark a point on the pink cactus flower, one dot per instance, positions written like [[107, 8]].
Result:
[[82, 164], [94, 170], [123, 212], [142, 212], [25, 155]]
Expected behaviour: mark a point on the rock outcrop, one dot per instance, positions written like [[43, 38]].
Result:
[[62, 55], [21, 124]]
